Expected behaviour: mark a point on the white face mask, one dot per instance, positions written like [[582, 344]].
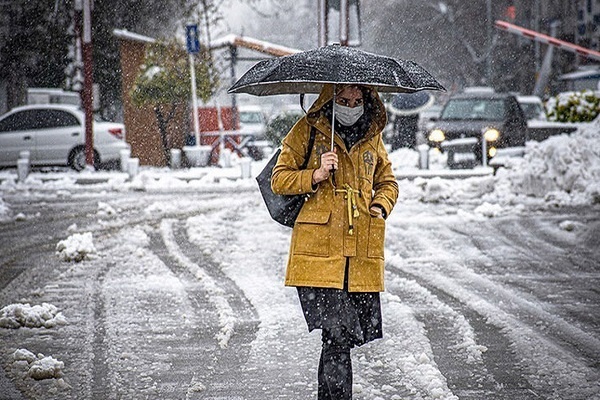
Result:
[[348, 116]]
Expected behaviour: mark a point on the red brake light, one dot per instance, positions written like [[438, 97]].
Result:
[[116, 132]]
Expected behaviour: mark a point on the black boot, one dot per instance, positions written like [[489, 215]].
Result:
[[335, 368]]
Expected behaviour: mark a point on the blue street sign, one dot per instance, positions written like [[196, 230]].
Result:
[[193, 45]]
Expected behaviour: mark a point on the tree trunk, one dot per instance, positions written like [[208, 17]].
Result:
[[163, 123]]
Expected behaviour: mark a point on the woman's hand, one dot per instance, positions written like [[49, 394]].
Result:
[[329, 161], [376, 212]]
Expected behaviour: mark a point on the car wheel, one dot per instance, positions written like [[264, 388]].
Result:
[[77, 158]]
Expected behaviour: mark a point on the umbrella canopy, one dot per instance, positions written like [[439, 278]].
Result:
[[410, 103], [306, 72]]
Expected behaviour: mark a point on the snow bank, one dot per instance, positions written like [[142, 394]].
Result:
[[563, 169], [23, 315], [37, 367], [77, 247]]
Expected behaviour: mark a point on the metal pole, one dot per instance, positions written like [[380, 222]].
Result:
[[483, 149], [234, 110], [488, 63], [194, 100], [344, 23], [322, 12], [88, 82], [536, 27], [546, 68]]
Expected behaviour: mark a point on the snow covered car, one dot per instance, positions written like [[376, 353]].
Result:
[[54, 134], [471, 117]]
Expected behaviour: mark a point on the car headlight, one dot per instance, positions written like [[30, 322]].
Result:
[[491, 134], [437, 135]]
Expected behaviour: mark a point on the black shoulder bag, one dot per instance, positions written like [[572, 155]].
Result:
[[283, 208]]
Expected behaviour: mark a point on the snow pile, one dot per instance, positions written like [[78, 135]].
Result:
[[408, 159], [38, 367], [404, 158], [105, 209], [489, 210], [23, 315], [77, 247], [563, 169]]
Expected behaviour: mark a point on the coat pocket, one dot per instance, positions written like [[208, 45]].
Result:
[[376, 238], [312, 233]]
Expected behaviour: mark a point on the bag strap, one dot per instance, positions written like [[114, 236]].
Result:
[[311, 143]]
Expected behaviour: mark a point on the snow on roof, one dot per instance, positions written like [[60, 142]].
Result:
[[125, 34], [253, 44]]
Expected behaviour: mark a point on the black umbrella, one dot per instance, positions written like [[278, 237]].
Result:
[[307, 71]]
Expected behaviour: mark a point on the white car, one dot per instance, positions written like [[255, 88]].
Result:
[[54, 134], [252, 121]]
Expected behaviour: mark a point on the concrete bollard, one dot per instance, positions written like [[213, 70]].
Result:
[[125, 155], [22, 169], [198, 156], [225, 158], [133, 165], [246, 167], [175, 159], [25, 154], [423, 156]]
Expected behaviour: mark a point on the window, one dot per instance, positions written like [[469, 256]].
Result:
[[55, 119], [20, 121], [474, 109], [38, 119], [250, 117]]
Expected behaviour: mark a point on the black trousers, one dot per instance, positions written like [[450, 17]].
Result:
[[335, 366]]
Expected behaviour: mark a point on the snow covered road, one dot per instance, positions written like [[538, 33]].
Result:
[[182, 297]]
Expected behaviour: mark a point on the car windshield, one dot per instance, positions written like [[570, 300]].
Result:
[[250, 118], [474, 109]]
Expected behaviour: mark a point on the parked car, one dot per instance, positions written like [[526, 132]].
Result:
[[54, 134], [532, 107], [253, 121], [471, 117]]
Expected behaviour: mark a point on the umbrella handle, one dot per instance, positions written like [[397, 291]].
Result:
[[333, 117], [332, 171]]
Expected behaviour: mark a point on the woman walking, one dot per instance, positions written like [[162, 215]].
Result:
[[337, 246]]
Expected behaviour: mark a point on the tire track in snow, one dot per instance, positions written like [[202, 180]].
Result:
[[251, 250], [471, 354], [547, 263], [550, 368], [217, 295], [220, 377]]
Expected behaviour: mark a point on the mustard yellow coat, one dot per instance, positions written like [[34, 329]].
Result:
[[321, 238]]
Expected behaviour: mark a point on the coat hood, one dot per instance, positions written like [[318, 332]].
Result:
[[316, 115]]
